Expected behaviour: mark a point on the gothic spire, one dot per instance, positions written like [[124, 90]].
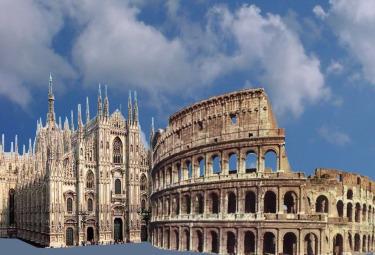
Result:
[[2, 141], [87, 110], [100, 105], [60, 126], [24, 149], [51, 100], [106, 104], [30, 147], [66, 123], [16, 143], [130, 108], [135, 113], [79, 116], [72, 120]]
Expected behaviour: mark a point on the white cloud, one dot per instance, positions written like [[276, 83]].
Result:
[[335, 67], [112, 45], [319, 12], [26, 31], [334, 136], [353, 23]]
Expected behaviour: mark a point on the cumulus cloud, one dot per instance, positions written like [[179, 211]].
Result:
[[334, 136], [112, 44], [26, 31], [335, 67], [319, 12], [353, 23]]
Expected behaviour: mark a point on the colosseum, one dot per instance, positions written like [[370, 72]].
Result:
[[222, 183]]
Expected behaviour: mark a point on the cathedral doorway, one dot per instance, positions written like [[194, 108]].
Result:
[[11, 207], [144, 236], [90, 234], [117, 229], [69, 237]]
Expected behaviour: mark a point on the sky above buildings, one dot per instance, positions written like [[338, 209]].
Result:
[[316, 60]]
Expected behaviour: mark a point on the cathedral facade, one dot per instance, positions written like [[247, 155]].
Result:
[[80, 185]]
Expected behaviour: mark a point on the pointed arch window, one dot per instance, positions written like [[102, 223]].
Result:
[[117, 151], [143, 185], [117, 186], [69, 205], [89, 205], [90, 180]]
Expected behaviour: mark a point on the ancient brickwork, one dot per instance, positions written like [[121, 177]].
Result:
[[76, 185], [221, 183]]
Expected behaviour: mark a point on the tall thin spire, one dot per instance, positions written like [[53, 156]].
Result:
[[79, 116], [11, 147], [87, 110], [24, 149], [135, 114], [66, 123], [3, 141], [72, 120], [60, 126], [130, 108], [51, 100], [16, 143], [100, 104], [106, 103], [30, 147], [152, 126]]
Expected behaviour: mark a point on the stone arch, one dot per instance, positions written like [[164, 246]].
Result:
[[166, 238], [270, 202], [186, 205], [213, 241], [364, 210], [216, 165], [202, 166], [311, 244], [69, 236], [349, 194], [251, 162], [199, 204], [357, 242], [12, 207], [290, 202], [231, 243], [232, 202], [90, 206], [198, 240], [232, 163], [186, 240], [349, 212], [364, 246], [90, 179], [189, 168], [118, 229], [321, 205], [118, 188], [214, 203], [357, 216], [269, 243], [143, 182], [69, 205], [338, 245], [340, 208], [175, 240], [117, 151], [250, 202], [350, 241], [249, 243], [270, 161], [290, 244]]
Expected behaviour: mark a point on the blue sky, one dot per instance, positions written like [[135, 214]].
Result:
[[316, 60]]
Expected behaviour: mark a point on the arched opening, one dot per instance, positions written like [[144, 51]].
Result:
[[90, 234], [250, 202], [364, 246], [89, 205], [270, 202], [311, 244], [350, 241], [143, 183], [144, 235], [69, 205], [290, 244], [186, 204], [214, 205], [231, 243], [290, 202], [143, 204], [176, 240], [349, 211], [338, 245], [364, 210], [321, 205], [90, 180], [357, 242], [269, 243], [186, 240], [232, 202], [69, 237], [202, 166], [117, 186], [189, 169], [340, 208], [176, 202], [232, 164], [357, 212], [199, 241], [349, 194], [214, 242], [251, 162], [166, 239], [117, 151], [216, 166], [179, 172], [199, 207], [117, 230], [270, 159], [249, 243], [12, 210]]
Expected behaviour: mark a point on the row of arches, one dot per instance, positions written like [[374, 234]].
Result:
[[215, 164], [210, 203], [209, 240], [362, 213], [355, 242]]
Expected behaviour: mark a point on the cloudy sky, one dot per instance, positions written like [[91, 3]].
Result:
[[315, 60]]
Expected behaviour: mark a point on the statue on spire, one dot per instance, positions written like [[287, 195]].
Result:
[[51, 106], [130, 108], [106, 104], [100, 105], [87, 110], [135, 113]]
